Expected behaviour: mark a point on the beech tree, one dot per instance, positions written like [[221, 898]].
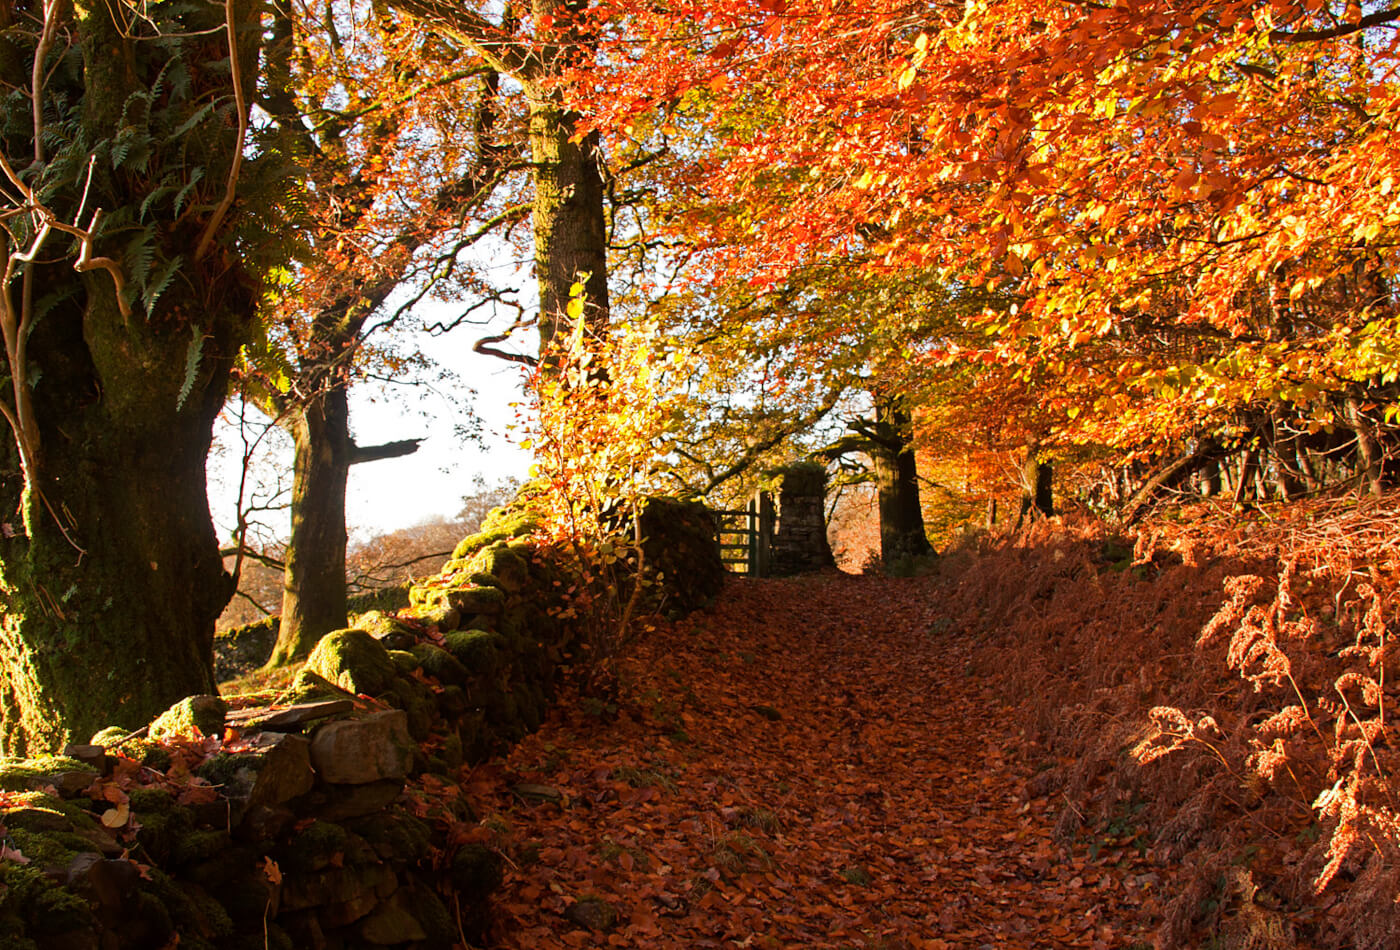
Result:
[[404, 151], [539, 48], [1192, 206], [129, 285]]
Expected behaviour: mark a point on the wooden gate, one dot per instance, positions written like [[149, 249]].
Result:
[[745, 537]]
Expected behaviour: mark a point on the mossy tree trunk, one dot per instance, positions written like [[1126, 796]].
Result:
[[569, 232], [569, 223], [109, 568], [313, 579], [313, 585]]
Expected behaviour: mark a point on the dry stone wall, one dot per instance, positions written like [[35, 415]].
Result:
[[286, 823]]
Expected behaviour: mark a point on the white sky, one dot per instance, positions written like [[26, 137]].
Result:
[[396, 493]]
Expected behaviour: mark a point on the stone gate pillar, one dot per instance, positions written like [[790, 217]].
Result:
[[799, 540]]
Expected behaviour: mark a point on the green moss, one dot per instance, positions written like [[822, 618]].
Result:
[[22, 775], [433, 916], [439, 664], [109, 737], [192, 717], [476, 600], [44, 908], [502, 524], [310, 687], [396, 836], [44, 849], [504, 563], [148, 753], [354, 661], [479, 651], [195, 846], [223, 768], [380, 625], [475, 872], [314, 847], [163, 822], [193, 912], [151, 801], [383, 598], [404, 661], [443, 616]]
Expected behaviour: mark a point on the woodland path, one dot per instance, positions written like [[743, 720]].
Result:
[[815, 762]]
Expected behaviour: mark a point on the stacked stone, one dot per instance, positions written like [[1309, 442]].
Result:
[[295, 836], [799, 542]]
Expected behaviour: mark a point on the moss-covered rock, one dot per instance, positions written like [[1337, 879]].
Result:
[[469, 601], [22, 775], [163, 822], [309, 687], [190, 718], [439, 664], [192, 911], [395, 836], [314, 848], [680, 555], [41, 908], [394, 597], [240, 650], [354, 661], [404, 661], [394, 633], [48, 850], [479, 651], [504, 563], [193, 847], [475, 872], [502, 524]]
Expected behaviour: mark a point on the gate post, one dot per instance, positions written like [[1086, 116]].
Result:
[[763, 525]]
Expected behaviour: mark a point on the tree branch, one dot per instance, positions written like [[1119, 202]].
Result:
[[388, 450], [467, 26]]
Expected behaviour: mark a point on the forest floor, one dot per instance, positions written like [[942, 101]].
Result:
[[816, 762]]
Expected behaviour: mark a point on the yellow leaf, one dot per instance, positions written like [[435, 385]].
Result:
[[906, 78], [117, 816], [574, 308]]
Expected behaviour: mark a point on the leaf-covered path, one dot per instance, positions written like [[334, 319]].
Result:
[[816, 762]]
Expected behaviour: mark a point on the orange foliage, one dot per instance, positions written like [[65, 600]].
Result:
[[1224, 684]]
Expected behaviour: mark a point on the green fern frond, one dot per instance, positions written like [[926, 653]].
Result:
[[192, 356], [196, 175], [140, 253], [151, 292]]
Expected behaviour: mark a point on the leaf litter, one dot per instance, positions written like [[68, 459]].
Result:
[[813, 762]]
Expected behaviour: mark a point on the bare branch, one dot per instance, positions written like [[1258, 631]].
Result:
[[236, 165]]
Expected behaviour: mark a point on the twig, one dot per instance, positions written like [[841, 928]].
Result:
[[236, 165]]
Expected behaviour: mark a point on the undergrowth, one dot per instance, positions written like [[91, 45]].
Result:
[[1231, 682]]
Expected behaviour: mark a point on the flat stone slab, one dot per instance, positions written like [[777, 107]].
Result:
[[286, 718]]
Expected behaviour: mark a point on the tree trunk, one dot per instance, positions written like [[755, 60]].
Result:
[[313, 585], [1037, 488], [109, 566], [896, 476], [1369, 457], [570, 231], [570, 237]]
